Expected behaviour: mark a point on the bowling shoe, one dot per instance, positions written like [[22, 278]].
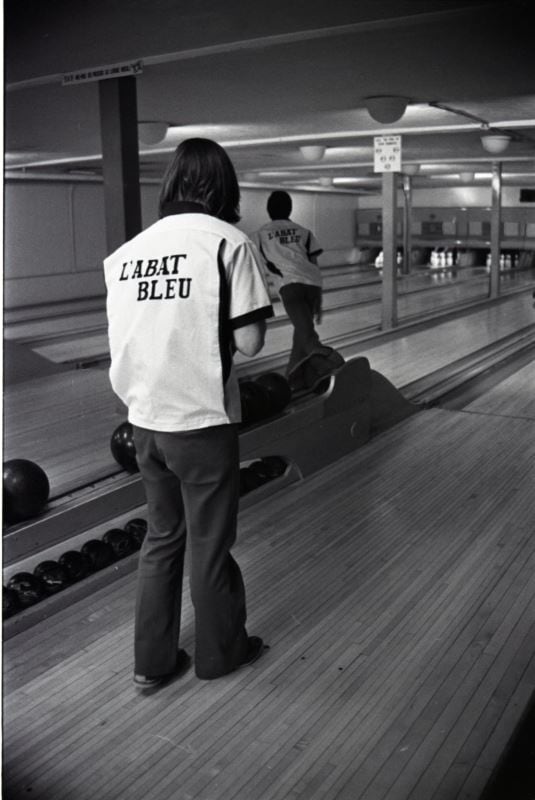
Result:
[[255, 648], [149, 683], [296, 379]]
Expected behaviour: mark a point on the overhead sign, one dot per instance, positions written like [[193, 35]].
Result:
[[387, 153], [101, 73]]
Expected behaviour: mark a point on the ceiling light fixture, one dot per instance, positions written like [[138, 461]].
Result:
[[385, 107], [466, 177], [495, 142], [312, 152], [152, 131]]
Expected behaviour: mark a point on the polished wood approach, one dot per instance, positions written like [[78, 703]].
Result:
[[396, 589]]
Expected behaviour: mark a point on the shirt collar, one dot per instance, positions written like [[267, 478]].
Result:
[[182, 207]]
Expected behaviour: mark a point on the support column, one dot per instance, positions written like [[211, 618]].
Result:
[[120, 159], [407, 216], [389, 286], [495, 224]]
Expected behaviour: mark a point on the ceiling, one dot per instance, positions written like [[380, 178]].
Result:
[[264, 78]]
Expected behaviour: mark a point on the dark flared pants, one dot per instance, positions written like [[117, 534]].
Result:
[[191, 481], [302, 302]]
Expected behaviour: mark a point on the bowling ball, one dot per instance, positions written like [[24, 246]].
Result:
[[137, 528], [278, 390], [26, 490], [99, 553], [54, 576], [121, 542], [259, 473], [28, 588], [10, 602], [255, 402], [123, 448], [77, 565], [273, 466]]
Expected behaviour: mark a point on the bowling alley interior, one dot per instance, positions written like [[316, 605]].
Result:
[[386, 527]]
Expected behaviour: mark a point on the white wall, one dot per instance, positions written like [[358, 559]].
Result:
[[453, 196], [55, 234], [330, 216]]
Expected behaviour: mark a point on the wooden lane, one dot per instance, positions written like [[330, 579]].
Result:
[[64, 422], [56, 325], [412, 355], [345, 311], [397, 598], [342, 284]]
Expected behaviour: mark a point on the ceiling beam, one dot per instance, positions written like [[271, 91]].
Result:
[[293, 37]]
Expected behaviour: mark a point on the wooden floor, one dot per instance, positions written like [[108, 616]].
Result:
[[397, 591]]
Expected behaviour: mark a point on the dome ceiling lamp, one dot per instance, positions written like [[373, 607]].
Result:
[[493, 139], [386, 108], [495, 143], [152, 131], [312, 152]]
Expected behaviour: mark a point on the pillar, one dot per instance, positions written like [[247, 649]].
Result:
[[389, 286], [120, 159]]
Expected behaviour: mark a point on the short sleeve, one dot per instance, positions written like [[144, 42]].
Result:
[[249, 296], [313, 246], [256, 239]]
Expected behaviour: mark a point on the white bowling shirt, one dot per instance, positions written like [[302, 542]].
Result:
[[175, 293], [287, 248]]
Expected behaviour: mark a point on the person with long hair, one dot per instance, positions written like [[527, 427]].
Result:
[[182, 297]]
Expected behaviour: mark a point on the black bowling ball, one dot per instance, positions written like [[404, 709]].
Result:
[[137, 528], [26, 490], [99, 553], [251, 478], [121, 542], [123, 448], [273, 466], [77, 565], [255, 402], [278, 390], [10, 602], [54, 576], [258, 472], [29, 588]]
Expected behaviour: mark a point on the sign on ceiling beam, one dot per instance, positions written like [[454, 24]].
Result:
[[101, 73]]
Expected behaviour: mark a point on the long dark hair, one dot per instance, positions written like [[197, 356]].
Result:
[[201, 172]]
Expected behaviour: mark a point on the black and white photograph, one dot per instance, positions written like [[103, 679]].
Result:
[[268, 408]]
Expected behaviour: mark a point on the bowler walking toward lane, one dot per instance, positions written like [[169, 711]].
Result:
[[290, 252], [182, 296]]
